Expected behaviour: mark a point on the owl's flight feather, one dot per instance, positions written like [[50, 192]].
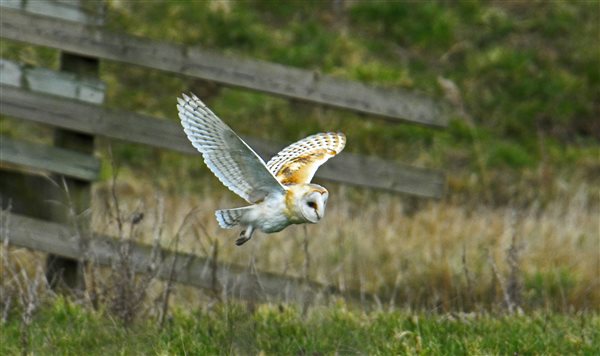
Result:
[[298, 162], [234, 163]]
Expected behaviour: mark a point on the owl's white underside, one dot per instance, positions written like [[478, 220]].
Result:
[[269, 215]]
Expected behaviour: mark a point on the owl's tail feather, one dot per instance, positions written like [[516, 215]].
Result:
[[228, 218]]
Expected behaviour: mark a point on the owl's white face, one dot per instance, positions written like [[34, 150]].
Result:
[[312, 205]]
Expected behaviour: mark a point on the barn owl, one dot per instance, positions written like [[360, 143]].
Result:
[[279, 191]]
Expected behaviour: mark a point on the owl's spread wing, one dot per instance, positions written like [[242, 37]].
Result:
[[298, 162], [234, 163]]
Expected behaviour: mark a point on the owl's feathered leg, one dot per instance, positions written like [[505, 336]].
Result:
[[245, 235]]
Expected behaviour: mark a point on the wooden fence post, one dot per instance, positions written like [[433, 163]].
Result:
[[77, 197]]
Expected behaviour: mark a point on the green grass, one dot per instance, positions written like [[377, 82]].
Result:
[[524, 72], [527, 74], [69, 329]]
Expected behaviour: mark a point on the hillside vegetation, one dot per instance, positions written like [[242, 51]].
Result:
[[522, 81], [522, 78], [517, 230]]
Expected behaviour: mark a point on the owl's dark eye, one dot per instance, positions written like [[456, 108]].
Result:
[[312, 204]]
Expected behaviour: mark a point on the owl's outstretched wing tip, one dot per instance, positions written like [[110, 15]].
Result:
[[299, 162], [232, 161]]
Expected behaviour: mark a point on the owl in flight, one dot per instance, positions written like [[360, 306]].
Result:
[[280, 192]]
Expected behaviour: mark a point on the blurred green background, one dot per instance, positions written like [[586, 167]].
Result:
[[522, 78]]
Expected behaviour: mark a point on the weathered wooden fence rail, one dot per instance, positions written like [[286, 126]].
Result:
[[94, 41], [95, 120], [228, 280], [73, 107], [51, 159]]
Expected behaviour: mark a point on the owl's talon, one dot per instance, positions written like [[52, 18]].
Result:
[[245, 235], [241, 241]]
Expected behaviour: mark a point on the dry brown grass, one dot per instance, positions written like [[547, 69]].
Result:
[[441, 257]]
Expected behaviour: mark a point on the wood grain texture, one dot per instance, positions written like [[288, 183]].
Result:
[[233, 281], [86, 13], [43, 80], [195, 62], [95, 120], [49, 158]]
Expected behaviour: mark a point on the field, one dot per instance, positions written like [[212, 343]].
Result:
[[67, 328], [507, 262], [441, 256]]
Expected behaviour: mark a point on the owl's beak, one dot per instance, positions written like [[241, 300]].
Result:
[[320, 210]]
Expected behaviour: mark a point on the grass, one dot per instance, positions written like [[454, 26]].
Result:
[[432, 256], [497, 53], [526, 73], [521, 156], [63, 327]]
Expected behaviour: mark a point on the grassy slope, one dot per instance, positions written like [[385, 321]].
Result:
[[522, 71], [526, 73], [65, 328], [526, 79]]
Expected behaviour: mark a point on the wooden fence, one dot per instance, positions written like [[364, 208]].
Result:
[[228, 280], [73, 106], [93, 41]]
